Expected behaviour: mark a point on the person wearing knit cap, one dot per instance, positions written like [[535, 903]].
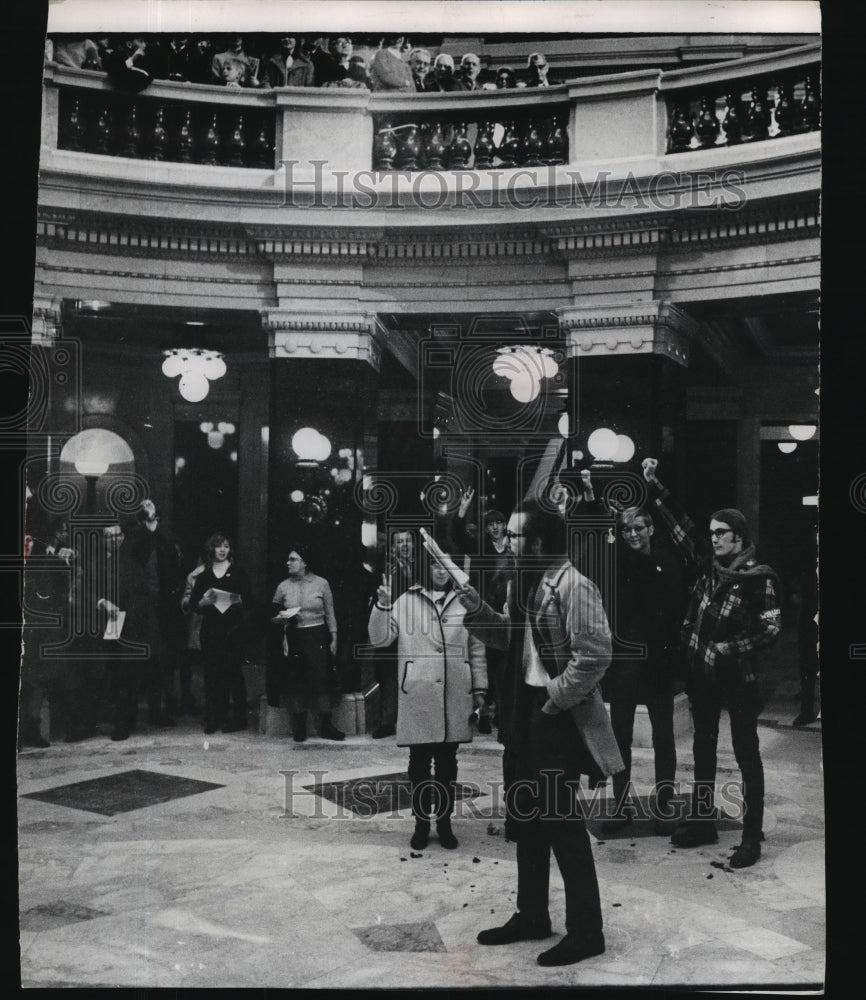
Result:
[[732, 615]]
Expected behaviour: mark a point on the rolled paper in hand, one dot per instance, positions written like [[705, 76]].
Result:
[[460, 577]]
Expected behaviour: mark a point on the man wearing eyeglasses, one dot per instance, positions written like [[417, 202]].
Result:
[[537, 65], [733, 613], [554, 728], [646, 610]]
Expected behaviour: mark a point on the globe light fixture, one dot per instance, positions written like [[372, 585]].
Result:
[[603, 444], [624, 448], [196, 367], [786, 447], [310, 446], [802, 432], [562, 425], [525, 365]]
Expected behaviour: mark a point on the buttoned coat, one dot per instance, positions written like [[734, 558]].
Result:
[[439, 666], [567, 613]]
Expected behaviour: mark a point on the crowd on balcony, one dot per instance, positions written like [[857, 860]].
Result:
[[390, 63]]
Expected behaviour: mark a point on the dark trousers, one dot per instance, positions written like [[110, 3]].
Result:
[[743, 703], [124, 677], [807, 644], [308, 670], [542, 764], [433, 793], [661, 716], [223, 682], [386, 674]]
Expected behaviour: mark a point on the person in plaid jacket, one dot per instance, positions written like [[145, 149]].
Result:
[[733, 613]]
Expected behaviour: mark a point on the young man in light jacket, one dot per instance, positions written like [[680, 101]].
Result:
[[554, 727]]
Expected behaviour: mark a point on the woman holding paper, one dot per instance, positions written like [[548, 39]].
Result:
[[441, 677], [304, 605], [221, 595]]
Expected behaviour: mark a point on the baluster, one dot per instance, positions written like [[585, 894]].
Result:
[[74, 128], [236, 146], [681, 133], [484, 146], [784, 110], [509, 148], [263, 155], [732, 125], [384, 148], [533, 146], [184, 139], [757, 121], [434, 146], [158, 137], [409, 147], [707, 125], [461, 148], [210, 143], [810, 108], [556, 147], [102, 132], [132, 134]]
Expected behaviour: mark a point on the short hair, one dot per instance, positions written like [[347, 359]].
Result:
[[419, 52], [469, 55], [217, 538], [443, 59], [546, 525], [306, 551], [630, 513], [493, 516]]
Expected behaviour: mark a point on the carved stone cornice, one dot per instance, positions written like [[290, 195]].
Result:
[[342, 337], [651, 327]]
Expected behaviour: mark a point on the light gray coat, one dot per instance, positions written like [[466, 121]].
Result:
[[439, 666]]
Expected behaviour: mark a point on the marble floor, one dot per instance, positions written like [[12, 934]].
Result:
[[212, 861]]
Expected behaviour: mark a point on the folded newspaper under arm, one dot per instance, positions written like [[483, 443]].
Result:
[[459, 576]]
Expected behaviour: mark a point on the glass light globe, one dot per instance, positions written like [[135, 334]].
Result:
[[624, 449], [786, 447], [172, 366], [603, 444], [193, 387], [802, 432], [214, 367], [563, 425], [524, 387]]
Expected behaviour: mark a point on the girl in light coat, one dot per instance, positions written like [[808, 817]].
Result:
[[441, 677]]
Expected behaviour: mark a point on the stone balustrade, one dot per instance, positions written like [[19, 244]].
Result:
[[637, 115]]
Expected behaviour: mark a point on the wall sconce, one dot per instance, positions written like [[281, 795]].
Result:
[[310, 446], [786, 447], [197, 369], [802, 432], [525, 366]]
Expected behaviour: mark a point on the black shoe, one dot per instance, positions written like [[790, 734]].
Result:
[[615, 824], [695, 832], [446, 835], [381, 732], [746, 854], [210, 727], [421, 836], [518, 928], [119, 734], [572, 949], [329, 732], [804, 719]]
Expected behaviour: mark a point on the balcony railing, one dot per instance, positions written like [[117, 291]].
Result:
[[642, 114]]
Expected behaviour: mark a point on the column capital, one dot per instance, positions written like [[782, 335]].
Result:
[[651, 327], [45, 326], [341, 336]]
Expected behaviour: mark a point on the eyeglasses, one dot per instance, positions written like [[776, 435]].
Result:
[[633, 529], [720, 532]]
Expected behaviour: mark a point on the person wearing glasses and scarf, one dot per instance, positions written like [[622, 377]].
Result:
[[537, 70], [732, 615]]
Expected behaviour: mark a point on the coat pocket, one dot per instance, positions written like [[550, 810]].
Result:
[[406, 665]]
